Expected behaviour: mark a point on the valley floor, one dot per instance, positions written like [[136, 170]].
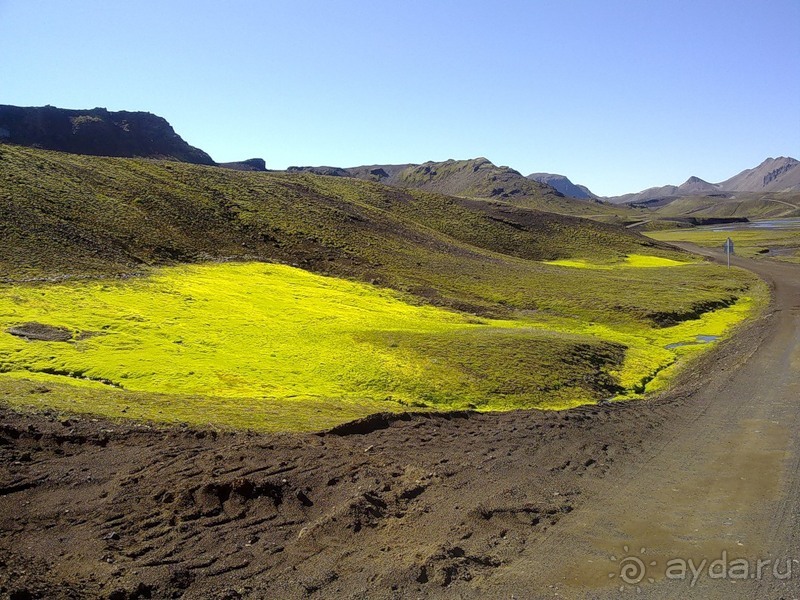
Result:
[[531, 504]]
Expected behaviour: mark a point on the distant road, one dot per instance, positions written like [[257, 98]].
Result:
[[789, 204], [632, 225]]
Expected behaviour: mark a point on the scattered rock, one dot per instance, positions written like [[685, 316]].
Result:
[[251, 164], [303, 498], [41, 332]]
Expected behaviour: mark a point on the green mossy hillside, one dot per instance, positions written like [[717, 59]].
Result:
[[69, 215], [298, 301]]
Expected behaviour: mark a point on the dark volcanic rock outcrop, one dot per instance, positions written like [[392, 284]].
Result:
[[98, 132], [329, 171], [251, 164]]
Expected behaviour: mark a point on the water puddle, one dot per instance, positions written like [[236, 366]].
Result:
[[698, 339], [782, 251], [780, 224]]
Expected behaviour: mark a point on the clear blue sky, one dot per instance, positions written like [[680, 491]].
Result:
[[617, 95]]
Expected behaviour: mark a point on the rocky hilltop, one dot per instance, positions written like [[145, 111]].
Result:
[[470, 178], [97, 132], [477, 177], [773, 175], [563, 184], [694, 186], [251, 164], [100, 132]]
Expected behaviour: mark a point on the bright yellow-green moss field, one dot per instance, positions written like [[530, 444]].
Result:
[[271, 347], [632, 260]]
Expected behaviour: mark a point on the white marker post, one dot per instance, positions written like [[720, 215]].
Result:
[[728, 250]]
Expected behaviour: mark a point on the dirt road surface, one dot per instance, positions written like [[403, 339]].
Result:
[[513, 505], [720, 491]]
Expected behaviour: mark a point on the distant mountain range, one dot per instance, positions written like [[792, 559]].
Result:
[[481, 179], [477, 178], [780, 174], [101, 132]]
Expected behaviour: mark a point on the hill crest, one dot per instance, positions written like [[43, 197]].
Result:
[[100, 132], [562, 184], [470, 178], [773, 175], [97, 132]]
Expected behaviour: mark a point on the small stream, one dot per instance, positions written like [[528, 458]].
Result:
[[698, 339], [777, 224]]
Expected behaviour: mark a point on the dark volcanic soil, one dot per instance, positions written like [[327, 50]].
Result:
[[412, 506], [91, 508]]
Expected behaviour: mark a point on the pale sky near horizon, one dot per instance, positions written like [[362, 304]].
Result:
[[617, 95]]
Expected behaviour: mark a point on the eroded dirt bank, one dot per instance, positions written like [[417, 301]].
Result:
[[421, 506]]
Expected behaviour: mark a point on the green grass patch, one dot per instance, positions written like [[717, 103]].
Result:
[[779, 244]]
